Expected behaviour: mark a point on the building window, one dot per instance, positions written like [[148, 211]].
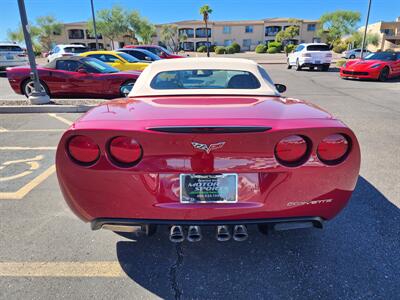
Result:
[[248, 29], [91, 36], [226, 30], [311, 27], [187, 46], [227, 43], [201, 32], [76, 34], [388, 31], [272, 30], [246, 44], [188, 32]]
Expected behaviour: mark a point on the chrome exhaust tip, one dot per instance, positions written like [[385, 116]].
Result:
[[240, 233], [223, 233], [194, 234], [176, 234]]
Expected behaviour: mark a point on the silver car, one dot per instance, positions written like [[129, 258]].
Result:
[[12, 55], [354, 53]]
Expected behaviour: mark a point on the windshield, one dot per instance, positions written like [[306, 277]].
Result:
[[386, 56], [318, 48], [99, 66], [204, 79], [127, 57], [75, 49]]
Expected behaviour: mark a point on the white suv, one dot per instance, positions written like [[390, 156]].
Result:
[[12, 55], [310, 55], [65, 50]]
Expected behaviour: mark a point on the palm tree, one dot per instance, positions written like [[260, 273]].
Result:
[[206, 10]]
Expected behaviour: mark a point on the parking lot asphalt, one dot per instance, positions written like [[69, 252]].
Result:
[[47, 253]]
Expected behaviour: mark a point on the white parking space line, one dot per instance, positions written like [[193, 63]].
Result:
[[2, 129], [29, 130], [28, 148], [68, 122], [61, 269]]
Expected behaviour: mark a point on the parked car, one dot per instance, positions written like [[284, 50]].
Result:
[[379, 66], [65, 50], [12, 55], [140, 54], [118, 60], [354, 53], [310, 56], [207, 141], [74, 76], [157, 50]]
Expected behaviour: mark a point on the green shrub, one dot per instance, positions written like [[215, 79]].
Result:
[[236, 47], [212, 48], [289, 48], [389, 50], [272, 50], [339, 48], [340, 63], [202, 49], [261, 48], [220, 50], [230, 50], [276, 45]]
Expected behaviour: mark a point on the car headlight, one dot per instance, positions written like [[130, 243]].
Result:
[[375, 66]]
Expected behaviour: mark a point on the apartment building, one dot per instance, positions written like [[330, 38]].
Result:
[[78, 33], [389, 35], [248, 34]]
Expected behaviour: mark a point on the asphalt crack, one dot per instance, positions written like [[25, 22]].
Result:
[[173, 271]]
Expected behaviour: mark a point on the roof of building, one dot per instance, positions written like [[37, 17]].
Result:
[[142, 86]]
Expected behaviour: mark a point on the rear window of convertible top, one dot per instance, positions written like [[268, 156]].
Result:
[[204, 79]]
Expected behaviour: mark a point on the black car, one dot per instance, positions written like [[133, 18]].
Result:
[[140, 54]]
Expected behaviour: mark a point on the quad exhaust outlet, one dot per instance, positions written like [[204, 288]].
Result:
[[240, 233], [194, 234], [223, 233], [176, 234]]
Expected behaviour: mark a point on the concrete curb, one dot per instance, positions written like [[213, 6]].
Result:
[[27, 109]]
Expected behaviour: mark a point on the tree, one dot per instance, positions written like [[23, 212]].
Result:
[[289, 32], [333, 26], [356, 39], [111, 23], [47, 27], [18, 36], [140, 26], [205, 11], [168, 36]]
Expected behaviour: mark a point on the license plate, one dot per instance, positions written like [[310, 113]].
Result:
[[9, 57], [215, 188]]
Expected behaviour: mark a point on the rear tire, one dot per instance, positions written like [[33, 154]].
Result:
[[325, 68], [126, 87], [384, 74], [298, 66], [352, 56], [288, 64], [312, 68], [27, 87]]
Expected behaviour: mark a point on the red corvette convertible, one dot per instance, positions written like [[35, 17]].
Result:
[[74, 76], [379, 66], [207, 141]]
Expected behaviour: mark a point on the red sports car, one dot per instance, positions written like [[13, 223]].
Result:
[[379, 66], [74, 76], [207, 141], [157, 50]]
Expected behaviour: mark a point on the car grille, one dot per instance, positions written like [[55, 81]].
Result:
[[354, 73]]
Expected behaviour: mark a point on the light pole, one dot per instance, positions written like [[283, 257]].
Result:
[[94, 25], [37, 96], [365, 31]]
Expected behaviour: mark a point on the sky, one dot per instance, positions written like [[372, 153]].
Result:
[[164, 11]]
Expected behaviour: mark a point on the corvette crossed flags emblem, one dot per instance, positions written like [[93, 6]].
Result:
[[208, 148]]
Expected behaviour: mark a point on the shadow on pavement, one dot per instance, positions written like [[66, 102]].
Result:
[[355, 256]]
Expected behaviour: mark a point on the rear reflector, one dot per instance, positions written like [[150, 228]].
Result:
[[333, 149], [83, 149], [291, 150], [125, 150]]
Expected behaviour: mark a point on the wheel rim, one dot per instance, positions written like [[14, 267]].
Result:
[[384, 74], [126, 88], [30, 87]]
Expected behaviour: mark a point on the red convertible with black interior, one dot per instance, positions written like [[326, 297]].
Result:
[[74, 76], [379, 66], [207, 142]]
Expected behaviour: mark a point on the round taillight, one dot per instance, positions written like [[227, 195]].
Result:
[[291, 150], [83, 149], [125, 150], [333, 149]]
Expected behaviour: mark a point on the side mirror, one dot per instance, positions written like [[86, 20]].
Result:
[[82, 71], [281, 88]]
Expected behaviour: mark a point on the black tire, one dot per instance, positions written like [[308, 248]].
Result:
[[352, 56], [30, 83], [325, 68], [123, 88], [298, 66], [312, 68], [384, 74], [288, 64]]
